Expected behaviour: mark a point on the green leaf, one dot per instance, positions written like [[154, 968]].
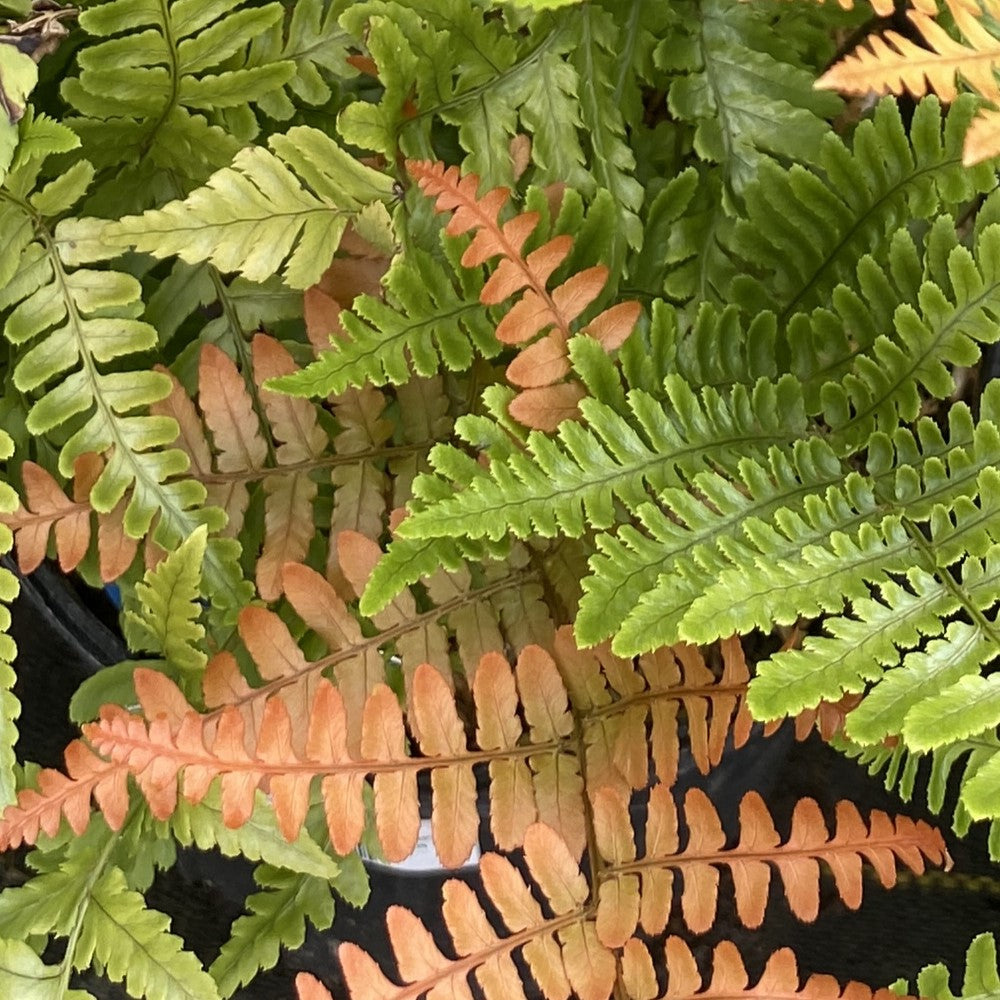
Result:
[[258, 217], [111, 685], [132, 943], [259, 839], [276, 918], [166, 620], [25, 976]]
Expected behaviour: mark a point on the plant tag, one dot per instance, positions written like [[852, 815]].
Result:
[[424, 858]]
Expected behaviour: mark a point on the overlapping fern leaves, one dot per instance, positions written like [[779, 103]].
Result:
[[894, 64], [695, 338]]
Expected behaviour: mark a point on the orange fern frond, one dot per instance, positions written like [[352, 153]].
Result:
[[893, 64], [621, 695], [281, 745], [624, 903], [541, 316], [47, 510], [289, 495], [729, 977], [229, 415], [885, 8], [241, 454], [40, 810], [562, 951]]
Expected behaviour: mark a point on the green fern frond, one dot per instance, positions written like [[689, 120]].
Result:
[[139, 91], [425, 322], [276, 918], [804, 231], [981, 979], [555, 80], [562, 483], [129, 942], [82, 322], [166, 618], [259, 839], [24, 975], [692, 534], [312, 39], [270, 212], [596, 57], [82, 895], [748, 96], [415, 45]]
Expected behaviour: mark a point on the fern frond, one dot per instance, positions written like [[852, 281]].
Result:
[[747, 97], [288, 498], [616, 697], [166, 618], [81, 322], [562, 483], [805, 230], [729, 976], [893, 64], [981, 973], [140, 92], [259, 839], [130, 942], [311, 37], [565, 952], [24, 974], [276, 919], [633, 891], [562, 952], [596, 58], [425, 323], [259, 217], [336, 744], [733, 521]]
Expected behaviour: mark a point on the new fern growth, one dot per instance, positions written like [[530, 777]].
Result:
[[517, 399]]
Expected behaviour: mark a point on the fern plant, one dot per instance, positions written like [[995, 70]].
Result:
[[457, 392]]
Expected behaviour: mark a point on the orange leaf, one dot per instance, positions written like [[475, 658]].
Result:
[[546, 408], [397, 810], [554, 868], [509, 893], [454, 818], [46, 506], [544, 362], [612, 327], [363, 976], [590, 966], [417, 956], [638, 974], [288, 520], [310, 988]]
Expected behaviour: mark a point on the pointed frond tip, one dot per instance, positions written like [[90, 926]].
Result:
[[541, 318], [637, 891]]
